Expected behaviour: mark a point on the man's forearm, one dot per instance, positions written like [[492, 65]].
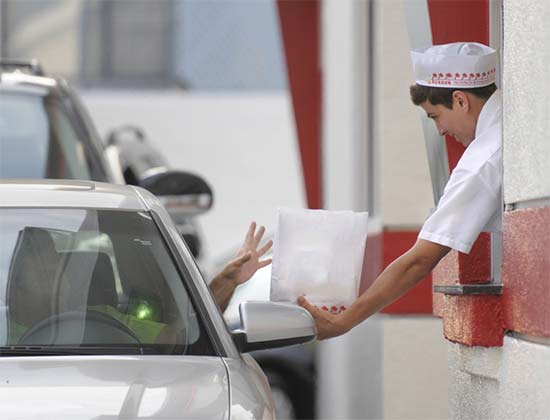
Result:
[[222, 288], [399, 277]]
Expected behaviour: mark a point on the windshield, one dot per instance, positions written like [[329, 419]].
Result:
[[75, 278], [40, 138]]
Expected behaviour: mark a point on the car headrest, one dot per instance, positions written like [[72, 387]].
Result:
[[32, 276], [87, 280]]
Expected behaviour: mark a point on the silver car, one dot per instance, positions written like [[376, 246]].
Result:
[[104, 314]]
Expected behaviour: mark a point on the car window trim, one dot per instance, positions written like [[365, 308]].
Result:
[[219, 348], [92, 156]]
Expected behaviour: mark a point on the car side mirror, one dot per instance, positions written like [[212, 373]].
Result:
[[266, 325], [182, 193]]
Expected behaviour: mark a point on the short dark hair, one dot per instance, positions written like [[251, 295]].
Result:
[[444, 96]]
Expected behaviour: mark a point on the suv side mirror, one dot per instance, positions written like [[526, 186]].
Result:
[[266, 325], [182, 193]]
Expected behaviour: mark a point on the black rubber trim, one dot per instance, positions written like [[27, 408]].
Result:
[[239, 338], [469, 289]]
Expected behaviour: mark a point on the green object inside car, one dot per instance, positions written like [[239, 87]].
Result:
[[145, 329], [144, 311]]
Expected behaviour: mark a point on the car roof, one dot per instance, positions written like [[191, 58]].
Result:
[[18, 78], [71, 194], [15, 80]]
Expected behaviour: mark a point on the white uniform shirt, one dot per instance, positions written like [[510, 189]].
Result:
[[472, 199]]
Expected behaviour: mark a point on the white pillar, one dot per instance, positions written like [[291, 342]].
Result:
[[349, 367]]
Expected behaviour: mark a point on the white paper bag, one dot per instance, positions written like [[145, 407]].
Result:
[[318, 254]]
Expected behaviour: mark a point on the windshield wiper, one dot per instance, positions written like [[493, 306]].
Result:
[[65, 350]]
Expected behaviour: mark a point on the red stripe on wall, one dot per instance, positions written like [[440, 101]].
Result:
[[418, 300], [526, 271], [300, 32], [372, 261], [473, 320]]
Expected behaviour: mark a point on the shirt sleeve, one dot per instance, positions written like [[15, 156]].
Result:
[[465, 208]]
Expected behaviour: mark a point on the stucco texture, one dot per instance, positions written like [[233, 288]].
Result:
[[526, 86], [509, 382]]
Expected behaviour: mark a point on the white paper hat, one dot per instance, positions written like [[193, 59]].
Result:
[[456, 65]]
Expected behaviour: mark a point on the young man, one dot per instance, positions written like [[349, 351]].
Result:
[[455, 85]]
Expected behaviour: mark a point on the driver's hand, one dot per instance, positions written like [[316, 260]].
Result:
[[247, 261]]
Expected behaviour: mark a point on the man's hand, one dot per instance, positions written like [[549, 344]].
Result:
[[328, 325], [241, 268]]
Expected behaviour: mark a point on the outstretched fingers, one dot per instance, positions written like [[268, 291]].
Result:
[[258, 236], [250, 234], [265, 248]]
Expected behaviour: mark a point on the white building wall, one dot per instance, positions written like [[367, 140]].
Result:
[[524, 380], [415, 368], [509, 382], [243, 144], [526, 61]]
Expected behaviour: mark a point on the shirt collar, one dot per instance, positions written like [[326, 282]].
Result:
[[490, 113]]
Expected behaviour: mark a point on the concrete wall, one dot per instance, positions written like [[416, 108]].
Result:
[[415, 368], [510, 382], [526, 106]]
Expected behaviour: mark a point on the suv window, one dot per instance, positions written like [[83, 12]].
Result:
[[99, 279], [38, 139]]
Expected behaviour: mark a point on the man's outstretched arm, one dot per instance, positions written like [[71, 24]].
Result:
[[399, 277]]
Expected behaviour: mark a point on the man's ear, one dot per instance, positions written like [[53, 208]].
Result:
[[461, 100]]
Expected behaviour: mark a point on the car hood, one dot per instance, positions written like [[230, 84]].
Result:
[[107, 387]]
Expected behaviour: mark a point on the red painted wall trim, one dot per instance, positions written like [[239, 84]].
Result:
[[372, 261], [470, 320], [473, 320], [299, 21], [526, 271], [419, 299]]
